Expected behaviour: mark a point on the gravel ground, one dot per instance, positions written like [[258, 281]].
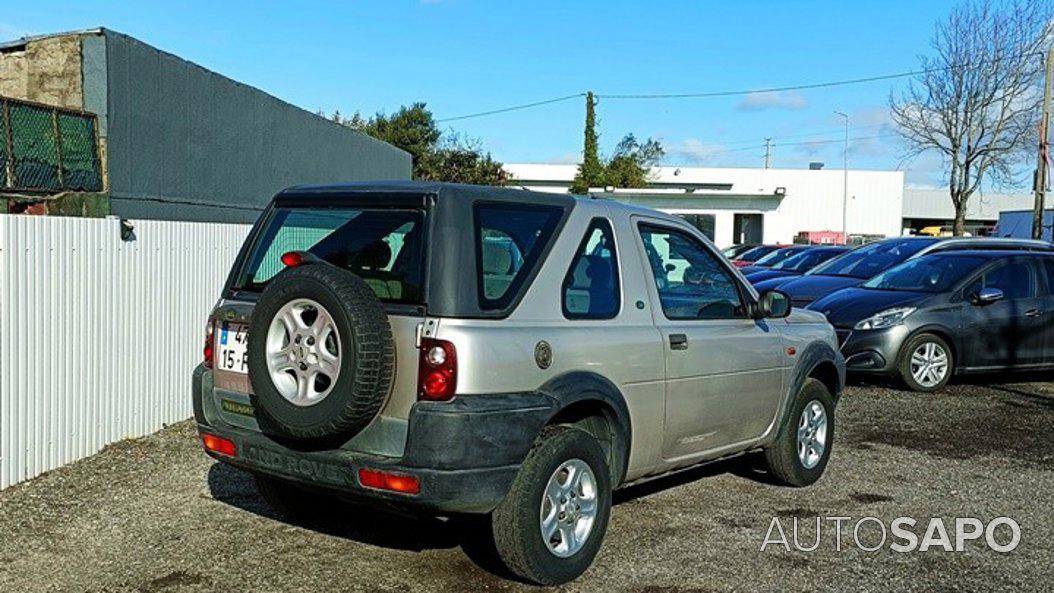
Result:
[[155, 514]]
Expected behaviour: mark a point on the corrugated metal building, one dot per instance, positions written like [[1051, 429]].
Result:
[[180, 142]]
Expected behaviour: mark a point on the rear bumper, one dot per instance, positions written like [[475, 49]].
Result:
[[465, 452]]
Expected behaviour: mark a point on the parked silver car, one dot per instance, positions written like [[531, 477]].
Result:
[[457, 349]]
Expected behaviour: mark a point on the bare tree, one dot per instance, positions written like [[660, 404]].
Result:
[[977, 101]]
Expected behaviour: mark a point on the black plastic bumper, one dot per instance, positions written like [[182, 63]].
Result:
[[873, 351], [465, 453]]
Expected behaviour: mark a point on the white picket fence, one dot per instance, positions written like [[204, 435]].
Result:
[[98, 335]]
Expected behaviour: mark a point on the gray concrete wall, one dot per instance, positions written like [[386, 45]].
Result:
[[185, 143]]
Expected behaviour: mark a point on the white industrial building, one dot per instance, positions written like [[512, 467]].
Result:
[[774, 205]]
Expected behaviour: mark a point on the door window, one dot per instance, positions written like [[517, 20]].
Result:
[[692, 283], [591, 287], [1015, 279], [1048, 263]]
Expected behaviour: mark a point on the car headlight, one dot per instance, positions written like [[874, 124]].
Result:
[[884, 319]]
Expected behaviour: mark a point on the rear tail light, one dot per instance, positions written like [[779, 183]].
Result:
[[292, 259], [436, 370], [372, 478], [218, 444], [209, 341]]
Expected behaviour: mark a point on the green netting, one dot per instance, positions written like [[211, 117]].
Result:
[[80, 169], [41, 139], [3, 151], [34, 147]]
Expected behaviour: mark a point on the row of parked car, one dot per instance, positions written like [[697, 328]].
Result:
[[921, 309]]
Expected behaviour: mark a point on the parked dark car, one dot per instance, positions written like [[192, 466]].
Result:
[[857, 266], [773, 258], [802, 261], [734, 251], [750, 256], [946, 313]]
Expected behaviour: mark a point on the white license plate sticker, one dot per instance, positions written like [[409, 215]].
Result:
[[231, 348]]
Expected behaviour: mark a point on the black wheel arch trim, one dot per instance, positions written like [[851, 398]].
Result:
[[811, 357], [582, 386]]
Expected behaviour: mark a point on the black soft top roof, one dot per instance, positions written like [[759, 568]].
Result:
[[411, 194], [451, 282]]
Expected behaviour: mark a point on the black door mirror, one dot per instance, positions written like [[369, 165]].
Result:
[[987, 296], [774, 304]]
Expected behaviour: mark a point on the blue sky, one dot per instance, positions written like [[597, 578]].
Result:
[[463, 56]]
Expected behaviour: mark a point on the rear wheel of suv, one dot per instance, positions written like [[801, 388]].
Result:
[[925, 363], [800, 453], [551, 524], [321, 355]]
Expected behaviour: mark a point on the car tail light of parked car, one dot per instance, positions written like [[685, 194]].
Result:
[[210, 329], [372, 478], [218, 444], [437, 370]]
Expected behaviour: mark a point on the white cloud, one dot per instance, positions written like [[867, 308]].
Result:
[[772, 100], [570, 158], [692, 151]]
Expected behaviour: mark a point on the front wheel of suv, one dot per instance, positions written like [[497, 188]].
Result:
[[551, 524], [800, 453]]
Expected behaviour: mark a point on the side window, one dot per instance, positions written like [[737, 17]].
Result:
[[1015, 279], [510, 240], [591, 287], [692, 283], [1048, 263]]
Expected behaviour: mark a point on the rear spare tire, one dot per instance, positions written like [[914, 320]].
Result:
[[321, 355]]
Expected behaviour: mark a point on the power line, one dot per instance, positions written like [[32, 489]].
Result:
[[732, 93], [513, 108], [775, 89]]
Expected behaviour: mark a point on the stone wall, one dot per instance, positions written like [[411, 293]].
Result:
[[45, 70]]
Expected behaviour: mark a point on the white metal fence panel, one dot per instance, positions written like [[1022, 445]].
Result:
[[98, 336]]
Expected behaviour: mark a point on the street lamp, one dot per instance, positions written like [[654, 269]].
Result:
[[845, 178]]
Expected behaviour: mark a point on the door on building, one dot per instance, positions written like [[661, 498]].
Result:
[[704, 222], [747, 228]]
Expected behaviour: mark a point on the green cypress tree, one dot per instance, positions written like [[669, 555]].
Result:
[[591, 170]]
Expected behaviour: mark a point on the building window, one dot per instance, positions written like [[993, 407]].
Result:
[[704, 222]]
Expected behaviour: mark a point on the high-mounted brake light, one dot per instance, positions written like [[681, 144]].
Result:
[[436, 370], [372, 478], [209, 333], [218, 444], [292, 259]]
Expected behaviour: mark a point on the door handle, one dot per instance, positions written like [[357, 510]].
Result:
[[678, 342], [1033, 313]]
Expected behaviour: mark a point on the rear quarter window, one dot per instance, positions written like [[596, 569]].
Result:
[[510, 240]]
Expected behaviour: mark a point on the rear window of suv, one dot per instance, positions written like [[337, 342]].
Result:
[[383, 247], [510, 239]]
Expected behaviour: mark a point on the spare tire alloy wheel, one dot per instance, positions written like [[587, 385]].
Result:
[[322, 358], [303, 352]]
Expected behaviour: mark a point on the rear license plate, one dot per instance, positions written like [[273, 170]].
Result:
[[231, 343]]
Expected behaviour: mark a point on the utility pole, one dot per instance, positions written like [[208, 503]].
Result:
[[845, 179], [1041, 164], [768, 151]]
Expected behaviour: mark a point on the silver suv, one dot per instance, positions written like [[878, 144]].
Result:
[[456, 350]]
